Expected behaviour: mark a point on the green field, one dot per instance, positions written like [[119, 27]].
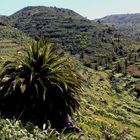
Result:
[[8, 49]]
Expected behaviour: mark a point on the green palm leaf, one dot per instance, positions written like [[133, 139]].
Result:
[[42, 84]]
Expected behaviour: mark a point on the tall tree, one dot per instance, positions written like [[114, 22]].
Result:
[[40, 85]]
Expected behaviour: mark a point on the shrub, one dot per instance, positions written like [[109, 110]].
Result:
[[14, 130], [40, 85]]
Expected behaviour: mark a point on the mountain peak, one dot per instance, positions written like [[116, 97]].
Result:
[[50, 11]]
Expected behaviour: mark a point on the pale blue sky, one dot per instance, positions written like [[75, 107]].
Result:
[[88, 8]]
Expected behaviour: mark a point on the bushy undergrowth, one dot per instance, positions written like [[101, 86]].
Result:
[[105, 113], [98, 120], [14, 34], [14, 130]]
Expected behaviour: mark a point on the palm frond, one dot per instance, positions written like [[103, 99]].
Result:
[[43, 83]]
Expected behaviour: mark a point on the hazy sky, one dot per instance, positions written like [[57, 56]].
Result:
[[88, 8]]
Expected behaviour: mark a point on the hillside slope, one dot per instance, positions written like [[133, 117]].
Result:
[[127, 23], [109, 108], [82, 38], [11, 40], [105, 113]]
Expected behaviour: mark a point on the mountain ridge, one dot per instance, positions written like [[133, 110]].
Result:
[[79, 36], [126, 23], [121, 17]]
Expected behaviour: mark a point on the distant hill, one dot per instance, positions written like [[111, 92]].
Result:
[[122, 18], [83, 38], [127, 23]]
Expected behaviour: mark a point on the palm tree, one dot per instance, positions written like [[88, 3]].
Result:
[[40, 85]]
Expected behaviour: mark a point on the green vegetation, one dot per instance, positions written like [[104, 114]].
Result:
[[12, 40], [105, 112], [126, 23], [13, 34], [109, 106], [109, 110], [15, 130], [86, 40], [40, 85], [7, 48]]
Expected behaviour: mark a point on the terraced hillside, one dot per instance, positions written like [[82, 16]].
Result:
[[126, 23], [7, 49], [11, 40], [84, 39], [7, 32], [110, 108], [110, 111]]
